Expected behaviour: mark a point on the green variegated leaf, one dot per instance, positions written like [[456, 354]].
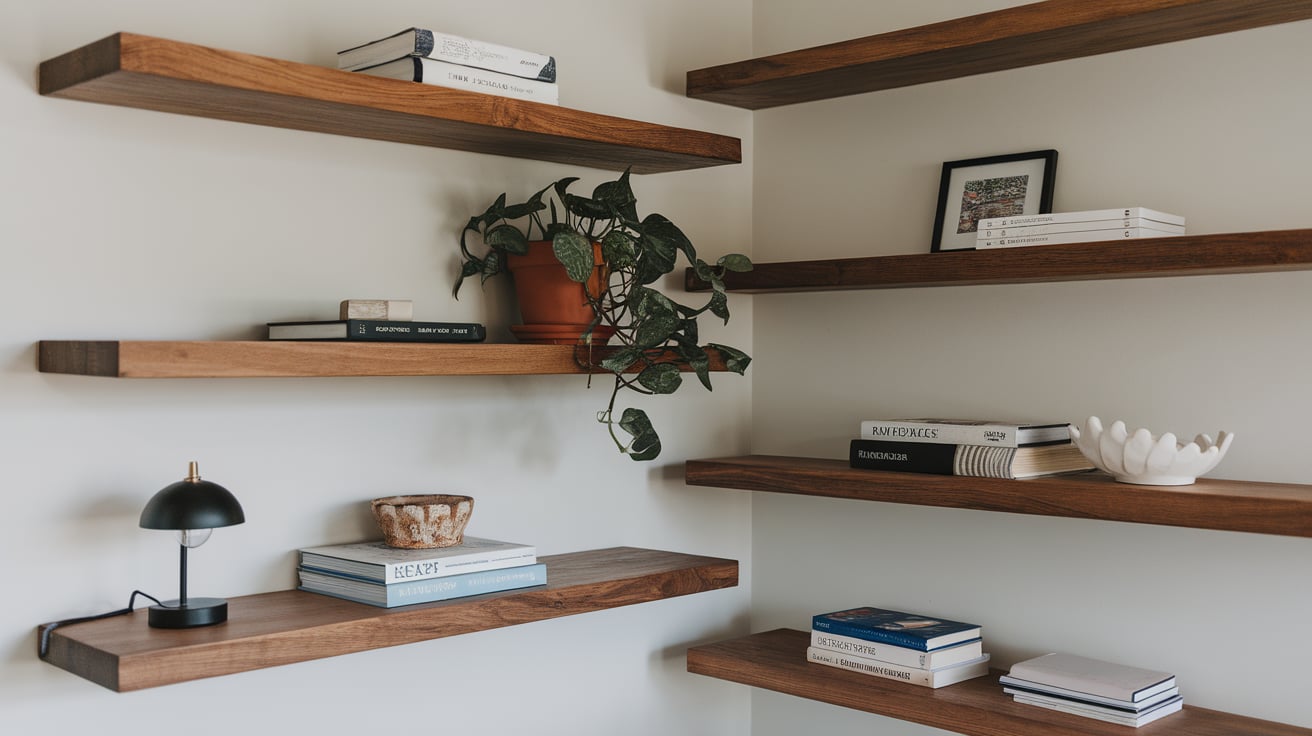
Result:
[[646, 444], [617, 249], [491, 265], [719, 305], [508, 238], [699, 361], [661, 378], [735, 262], [575, 253], [734, 359], [621, 360], [648, 303], [660, 227], [562, 185], [585, 207], [618, 197], [654, 331]]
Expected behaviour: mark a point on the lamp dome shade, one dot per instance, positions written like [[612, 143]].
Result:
[[192, 504]]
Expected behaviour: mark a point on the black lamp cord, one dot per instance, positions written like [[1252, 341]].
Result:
[[43, 647]]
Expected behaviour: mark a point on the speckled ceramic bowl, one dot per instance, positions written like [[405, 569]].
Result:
[[423, 521]]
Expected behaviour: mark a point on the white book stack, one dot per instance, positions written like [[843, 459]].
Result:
[[447, 60], [1076, 227], [1093, 688], [904, 647]]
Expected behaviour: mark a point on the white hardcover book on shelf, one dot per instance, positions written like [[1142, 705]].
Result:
[[1093, 676], [995, 432], [377, 562], [1051, 218], [453, 49], [1174, 705], [937, 678], [994, 233], [1089, 236], [443, 74], [904, 656]]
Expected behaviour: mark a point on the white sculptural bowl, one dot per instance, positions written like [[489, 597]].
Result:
[[1147, 460]]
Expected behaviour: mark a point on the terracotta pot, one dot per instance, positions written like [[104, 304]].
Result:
[[554, 308]]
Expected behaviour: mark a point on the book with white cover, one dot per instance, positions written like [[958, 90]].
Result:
[[455, 76], [1087, 236], [450, 48], [1124, 223], [1174, 705], [905, 656], [377, 562], [1093, 676], [912, 675], [1048, 691], [1057, 217], [996, 432]]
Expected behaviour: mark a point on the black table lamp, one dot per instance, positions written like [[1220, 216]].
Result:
[[193, 507]]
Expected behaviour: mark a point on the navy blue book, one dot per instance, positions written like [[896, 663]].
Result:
[[895, 627]]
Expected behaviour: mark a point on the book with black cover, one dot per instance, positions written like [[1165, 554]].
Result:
[[378, 331], [967, 460]]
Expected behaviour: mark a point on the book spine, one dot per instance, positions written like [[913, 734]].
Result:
[[492, 57], [460, 586], [897, 655], [443, 74], [897, 639], [1090, 236], [999, 435], [1049, 218], [1083, 226], [907, 457], [357, 329], [911, 675], [399, 572]]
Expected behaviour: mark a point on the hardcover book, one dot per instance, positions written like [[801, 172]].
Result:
[[1071, 227], [925, 678], [1049, 218], [968, 460], [453, 49], [1110, 715], [1093, 676], [891, 654], [422, 591], [376, 562], [442, 74], [374, 330], [1090, 236], [1035, 690], [895, 627], [994, 432]]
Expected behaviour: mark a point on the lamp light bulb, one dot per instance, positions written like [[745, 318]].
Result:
[[193, 538]]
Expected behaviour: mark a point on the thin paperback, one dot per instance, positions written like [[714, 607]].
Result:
[[892, 654], [442, 74], [450, 48], [422, 591], [911, 675]]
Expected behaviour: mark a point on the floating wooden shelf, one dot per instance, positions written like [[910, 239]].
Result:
[[1229, 505], [158, 74], [776, 660], [1187, 255], [284, 359], [1037, 33], [272, 629]]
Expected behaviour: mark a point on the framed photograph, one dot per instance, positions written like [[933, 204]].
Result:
[[996, 186]]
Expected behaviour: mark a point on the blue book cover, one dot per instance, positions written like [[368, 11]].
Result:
[[900, 629], [422, 591]]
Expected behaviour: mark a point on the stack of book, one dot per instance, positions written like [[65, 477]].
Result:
[[1093, 688], [378, 320], [446, 60], [1076, 227], [373, 573], [977, 448], [930, 652]]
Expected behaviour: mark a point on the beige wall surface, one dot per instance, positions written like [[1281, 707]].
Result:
[[1214, 129], [119, 223]]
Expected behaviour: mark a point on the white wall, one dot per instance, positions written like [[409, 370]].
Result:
[[130, 224], [1215, 129]]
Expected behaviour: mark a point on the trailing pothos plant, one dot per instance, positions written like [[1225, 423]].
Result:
[[654, 335]]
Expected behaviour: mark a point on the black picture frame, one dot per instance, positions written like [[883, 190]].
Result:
[[977, 188]]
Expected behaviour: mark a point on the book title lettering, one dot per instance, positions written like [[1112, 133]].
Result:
[[924, 432], [872, 455]]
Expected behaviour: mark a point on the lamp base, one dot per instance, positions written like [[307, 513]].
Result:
[[197, 612]]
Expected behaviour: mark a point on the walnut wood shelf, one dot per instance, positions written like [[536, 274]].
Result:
[[1011, 38], [1187, 255], [1228, 505], [293, 359], [158, 74], [272, 629], [776, 660]]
